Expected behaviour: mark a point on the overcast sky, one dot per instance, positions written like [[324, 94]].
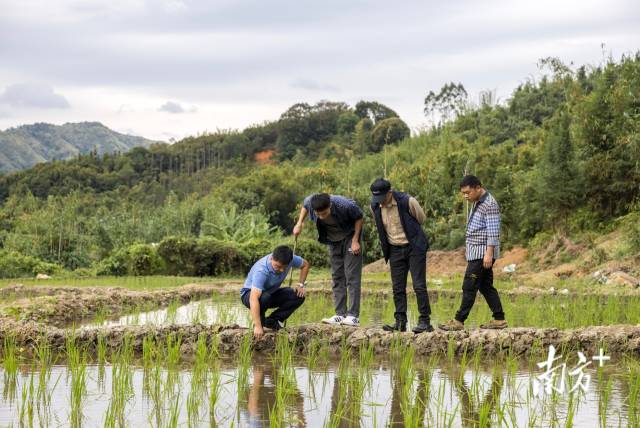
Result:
[[171, 68]]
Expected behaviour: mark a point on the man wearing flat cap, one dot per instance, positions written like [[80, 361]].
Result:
[[398, 218]]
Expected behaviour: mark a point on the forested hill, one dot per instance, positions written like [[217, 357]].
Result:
[[561, 156], [303, 132], [27, 145]]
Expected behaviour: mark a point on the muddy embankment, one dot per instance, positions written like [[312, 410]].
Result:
[[60, 306], [520, 341], [32, 314]]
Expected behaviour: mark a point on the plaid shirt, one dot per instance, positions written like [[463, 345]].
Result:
[[483, 228]]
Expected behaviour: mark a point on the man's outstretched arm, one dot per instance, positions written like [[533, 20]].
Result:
[[304, 271], [254, 307]]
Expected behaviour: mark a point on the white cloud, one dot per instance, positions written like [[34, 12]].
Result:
[[171, 107], [137, 61], [176, 108], [29, 95]]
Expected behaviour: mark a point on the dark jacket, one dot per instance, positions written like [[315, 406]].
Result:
[[344, 210], [412, 229]]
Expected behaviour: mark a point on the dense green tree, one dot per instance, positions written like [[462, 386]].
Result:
[[347, 122], [304, 127], [374, 111], [362, 137], [536, 103], [450, 101], [608, 127], [388, 131], [560, 186]]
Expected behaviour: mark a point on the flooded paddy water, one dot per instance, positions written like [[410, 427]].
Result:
[[268, 393], [184, 357], [522, 311]]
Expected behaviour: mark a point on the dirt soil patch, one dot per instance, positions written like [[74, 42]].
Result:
[[516, 255], [439, 263], [448, 263]]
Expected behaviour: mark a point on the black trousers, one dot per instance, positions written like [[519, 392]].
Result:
[[284, 299], [477, 278], [403, 260]]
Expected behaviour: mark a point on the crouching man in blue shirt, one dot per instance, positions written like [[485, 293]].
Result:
[[262, 290]]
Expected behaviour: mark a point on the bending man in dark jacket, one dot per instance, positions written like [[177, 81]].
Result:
[[339, 224], [404, 244]]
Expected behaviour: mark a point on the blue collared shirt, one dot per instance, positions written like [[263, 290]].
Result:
[[483, 228], [263, 277]]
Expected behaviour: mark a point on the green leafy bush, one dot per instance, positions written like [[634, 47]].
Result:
[[143, 260], [46, 268], [114, 265], [83, 273], [15, 265], [217, 258], [137, 260], [203, 257], [632, 226], [180, 255]]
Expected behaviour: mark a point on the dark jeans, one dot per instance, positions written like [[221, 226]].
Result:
[[346, 272], [403, 260], [284, 299], [477, 278]]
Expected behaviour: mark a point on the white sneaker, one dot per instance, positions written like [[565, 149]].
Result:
[[336, 320], [351, 321]]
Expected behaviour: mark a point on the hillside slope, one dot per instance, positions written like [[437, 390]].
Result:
[[27, 145]]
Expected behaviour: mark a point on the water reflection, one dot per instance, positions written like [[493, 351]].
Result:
[[270, 388], [474, 414], [404, 411], [335, 394], [346, 399]]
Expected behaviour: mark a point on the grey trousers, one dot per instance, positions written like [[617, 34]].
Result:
[[346, 272]]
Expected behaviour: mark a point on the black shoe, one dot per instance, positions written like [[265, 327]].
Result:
[[423, 327], [273, 324], [398, 326]]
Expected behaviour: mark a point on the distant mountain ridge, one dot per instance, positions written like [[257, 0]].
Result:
[[24, 146]]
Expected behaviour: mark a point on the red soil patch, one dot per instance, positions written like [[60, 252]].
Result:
[[447, 263], [516, 255], [440, 263], [264, 157]]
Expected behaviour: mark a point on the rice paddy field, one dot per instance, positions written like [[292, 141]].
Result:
[[156, 353]]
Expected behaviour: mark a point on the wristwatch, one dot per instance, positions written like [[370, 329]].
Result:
[[302, 284]]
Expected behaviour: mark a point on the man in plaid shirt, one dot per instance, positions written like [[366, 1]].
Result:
[[482, 249]]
